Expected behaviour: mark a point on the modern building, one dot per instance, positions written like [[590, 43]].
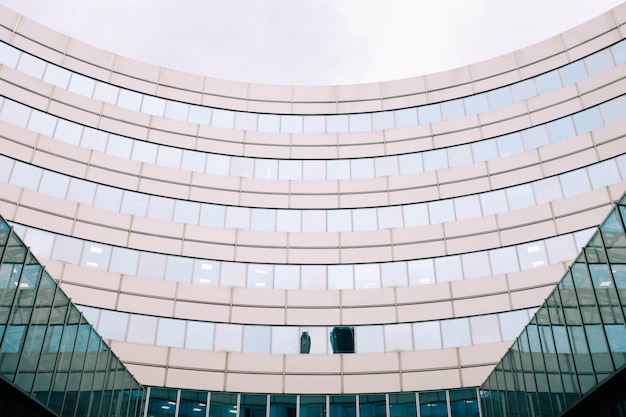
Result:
[[306, 251]]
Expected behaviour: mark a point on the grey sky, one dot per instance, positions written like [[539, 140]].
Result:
[[311, 42]]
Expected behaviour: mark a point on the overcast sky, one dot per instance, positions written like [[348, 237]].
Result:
[[311, 42]]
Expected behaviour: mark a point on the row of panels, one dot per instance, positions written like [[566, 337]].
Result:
[[554, 52], [275, 123], [126, 148]]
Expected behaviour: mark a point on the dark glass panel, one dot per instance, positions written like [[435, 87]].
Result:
[[372, 405], [192, 403], [252, 405], [464, 403], [162, 402], [402, 405], [222, 404], [342, 406], [433, 404], [312, 406], [283, 405]]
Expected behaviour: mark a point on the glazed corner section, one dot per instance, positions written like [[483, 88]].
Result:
[[572, 354], [48, 351]]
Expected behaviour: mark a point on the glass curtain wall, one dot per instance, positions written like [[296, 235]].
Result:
[[576, 340], [47, 348]]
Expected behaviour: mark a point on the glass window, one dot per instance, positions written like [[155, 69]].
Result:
[[238, 218], [291, 124], [587, 120], [124, 261], [561, 129], [467, 207], [455, 333], [256, 339], [548, 189], [475, 265], [54, 184], [269, 123], [532, 255], [151, 265], [199, 335], [520, 197], [142, 329], [441, 211], [285, 340], [367, 276], [32, 66], [313, 220], [212, 215], [360, 122], [186, 212], [223, 118], [337, 123], [402, 405], [192, 403], [289, 170], [288, 220], [26, 176], [314, 124], [338, 169], [612, 111], [503, 260], [144, 152], [535, 137], [67, 249], [314, 170], [287, 277], [485, 329], [476, 104], [398, 337], [548, 82], [153, 105], [233, 274], [241, 167], [169, 157], [312, 406], [68, 132], [339, 220], [177, 111], [119, 146], [200, 115], [6, 166], [452, 109], [40, 242], [386, 166], [112, 325], [484, 150], [260, 276], [619, 52], [362, 168], [410, 164], [245, 121], [575, 182], [464, 403], [129, 100], [390, 217], [264, 219], [228, 337], [598, 62], [161, 208], [434, 160], [415, 215], [460, 155], [313, 277], [421, 272], [573, 73], [406, 117], [42, 123], [512, 323], [82, 85], [342, 406], [96, 255], [499, 98], [429, 114], [206, 272], [340, 277], [561, 248], [369, 339], [193, 161], [603, 174], [448, 268], [266, 169], [364, 219], [171, 332], [134, 203], [179, 269], [81, 191], [383, 120], [510, 144], [15, 113], [94, 139], [523, 90], [426, 335], [493, 202], [217, 164], [9, 55], [394, 274]]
